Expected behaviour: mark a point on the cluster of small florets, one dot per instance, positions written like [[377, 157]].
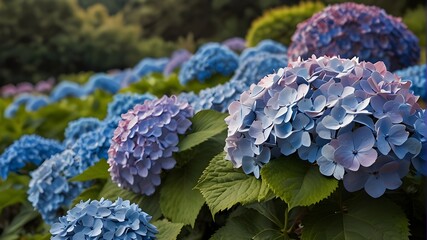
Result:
[[236, 44], [357, 121], [144, 141], [417, 75], [178, 58], [77, 128], [265, 46], [209, 60], [150, 65], [11, 90], [49, 189], [29, 149], [123, 102], [355, 30], [66, 89], [104, 219], [32, 103]]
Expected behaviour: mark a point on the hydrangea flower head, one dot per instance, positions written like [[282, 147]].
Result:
[[178, 58], [210, 59], [236, 44], [144, 141], [66, 89], [45, 86], [77, 128], [339, 113], [104, 219], [29, 149], [49, 189], [36, 102], [8, 90], [417, 75], [150, 65], [103, 82], [123, 102], [265, 46], [350, 30]]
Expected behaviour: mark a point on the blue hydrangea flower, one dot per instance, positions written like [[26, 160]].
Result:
[[385, 173], [126, 77], [29, 149], [351, 29], [49, 189], [77, 128], [236, 44], [178, 58], [36, 102], [104, 219], [102, 81], [417, 76], [144, 141], [123, 102], [265, 46], [150, 65], [66, 89], [210, 59], [338, 113]]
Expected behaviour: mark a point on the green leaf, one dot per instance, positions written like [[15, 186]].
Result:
[[149, 204], [179, 200], [25, 215], [247, 224], [223, 186], [167, 230], [97, 171], [91, 192], [206, 124], [297, 182], [12, 196], [359, 218]]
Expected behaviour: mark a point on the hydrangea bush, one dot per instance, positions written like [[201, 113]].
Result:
[[144, 141], [355, 30], [357, 121], [104, 219], [417, 76]]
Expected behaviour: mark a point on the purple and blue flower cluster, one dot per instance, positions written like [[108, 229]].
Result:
[[104, 219], [29, 149], [123, 102], [178, 58], [235, 44], [144, 141], [210, 59], [355, 30], [357, 121]]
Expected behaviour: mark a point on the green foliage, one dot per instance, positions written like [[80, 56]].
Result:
[[205, 125], [156, 84], [13, 190], [296, 182], [279, 24], [415, 20], [222, 186], [359, 218], [167, 230], [97, 171]]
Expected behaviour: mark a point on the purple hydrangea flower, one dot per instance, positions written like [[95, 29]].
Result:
[[178, 58], [351, 29], [8, 90], [144, 141], [210, 59], [45, 86], [323, 109], [236, 44], [104, 219], [29, 149]]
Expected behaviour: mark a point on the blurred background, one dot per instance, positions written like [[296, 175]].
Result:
[[41, 39]]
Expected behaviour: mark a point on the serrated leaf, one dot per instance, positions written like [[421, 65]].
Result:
[[297, 182], [179, 200], [206, 124], [167, 230], [222, 186], [149, 204], [97, 171], [245, 224], [359, 218]]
